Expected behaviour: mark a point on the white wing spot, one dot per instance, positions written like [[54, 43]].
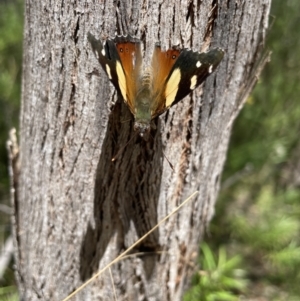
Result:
[[193, 82], [198, 64], [103, 49], [210, 69], [108, 71]]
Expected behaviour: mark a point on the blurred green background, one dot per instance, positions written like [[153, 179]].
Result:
[[11, 35], [252, 251]]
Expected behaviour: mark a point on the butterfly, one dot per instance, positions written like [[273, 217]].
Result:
[[149, 92]]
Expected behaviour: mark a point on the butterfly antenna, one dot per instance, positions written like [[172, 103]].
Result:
[[171, 165], [127, 120], [122, 148]]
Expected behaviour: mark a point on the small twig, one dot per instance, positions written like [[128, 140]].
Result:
[[113, 284]]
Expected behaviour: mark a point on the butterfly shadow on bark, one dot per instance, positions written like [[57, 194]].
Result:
[[126, 191]]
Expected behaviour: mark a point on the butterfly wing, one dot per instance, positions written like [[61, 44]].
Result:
[[187, 72], [121, 59], [161, 66]]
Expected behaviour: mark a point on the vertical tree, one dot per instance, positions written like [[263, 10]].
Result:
[[75, 209]]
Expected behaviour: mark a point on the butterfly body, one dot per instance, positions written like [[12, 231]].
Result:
[[171, 76], [142, 112]]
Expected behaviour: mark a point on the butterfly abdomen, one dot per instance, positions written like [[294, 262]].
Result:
[[142, 110]]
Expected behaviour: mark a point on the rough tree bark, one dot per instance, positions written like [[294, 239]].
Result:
[[75, 209]]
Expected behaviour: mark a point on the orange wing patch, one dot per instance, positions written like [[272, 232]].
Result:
[[162, 63], [131, 59]]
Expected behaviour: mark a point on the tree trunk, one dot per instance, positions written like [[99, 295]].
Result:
[[75, 209]]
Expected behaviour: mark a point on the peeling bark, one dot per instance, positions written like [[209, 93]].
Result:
[[75, 209]]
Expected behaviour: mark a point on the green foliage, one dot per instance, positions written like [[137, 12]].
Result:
[[267, 227], [268, 235], [8, 293], [219, 280]]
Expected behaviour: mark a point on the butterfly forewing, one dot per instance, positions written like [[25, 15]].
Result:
[[188, 72], [161, 66], [129, 50], [107, 56], [121, 59], [194, 69]]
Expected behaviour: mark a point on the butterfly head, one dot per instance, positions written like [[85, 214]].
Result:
[[142, 128]]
